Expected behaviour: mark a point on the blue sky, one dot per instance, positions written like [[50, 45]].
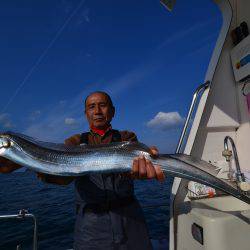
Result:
[[53, 53]]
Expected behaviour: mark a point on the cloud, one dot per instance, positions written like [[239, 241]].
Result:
[[166, 121], [60, 120], [5, 121], [67, 6], [44, 53], [131, 79], [70, 121], [34, 115], [205, 43], [182, 34], [62, 102], [151, 64], [83, 16], [66, 117]]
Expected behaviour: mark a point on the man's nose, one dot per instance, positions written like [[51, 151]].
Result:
[[97, 109]]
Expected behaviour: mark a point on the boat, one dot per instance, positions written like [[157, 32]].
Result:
[[201, 217]]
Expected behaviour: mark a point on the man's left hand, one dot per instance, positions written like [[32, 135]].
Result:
[[144, 169]]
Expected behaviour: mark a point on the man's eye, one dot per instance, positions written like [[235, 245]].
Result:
[[91, 106]]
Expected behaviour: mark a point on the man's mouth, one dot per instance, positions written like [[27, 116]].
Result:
[[99, 119]]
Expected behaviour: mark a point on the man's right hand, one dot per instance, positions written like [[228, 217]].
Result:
[[7, 166]]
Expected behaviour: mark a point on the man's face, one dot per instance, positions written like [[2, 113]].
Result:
[[98, 111]]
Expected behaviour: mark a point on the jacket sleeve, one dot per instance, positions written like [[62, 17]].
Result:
[[7, 166], [128, 136], [73, 140]]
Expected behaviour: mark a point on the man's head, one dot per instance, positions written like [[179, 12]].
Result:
[[99, 109]]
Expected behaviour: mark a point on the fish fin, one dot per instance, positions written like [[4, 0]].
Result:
[[76, 148], [44, 144], [198, 163], [125, 145]]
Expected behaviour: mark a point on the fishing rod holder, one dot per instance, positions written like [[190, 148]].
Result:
[[228, 153], [240, 177], [23, 214]]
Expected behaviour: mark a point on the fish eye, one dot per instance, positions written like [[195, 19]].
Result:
[[4, 143]]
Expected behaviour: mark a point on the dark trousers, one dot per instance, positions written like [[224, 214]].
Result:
[[121, 228]]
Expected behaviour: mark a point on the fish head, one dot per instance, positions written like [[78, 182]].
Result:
[[5, 143]]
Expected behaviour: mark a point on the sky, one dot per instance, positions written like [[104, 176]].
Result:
[[150, 61]]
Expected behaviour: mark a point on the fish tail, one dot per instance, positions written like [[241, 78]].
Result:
[[193, 169]]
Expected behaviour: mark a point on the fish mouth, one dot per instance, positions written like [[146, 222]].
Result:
[[2, 150], [4, 142]]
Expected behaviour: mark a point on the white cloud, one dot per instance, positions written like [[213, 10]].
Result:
[[66, 117], [182, 34], [131, 79], [35, 115], [60, 120], [67, 6], [63, 102], [70, 121], [84, 16], [5, 121], [165, 121]]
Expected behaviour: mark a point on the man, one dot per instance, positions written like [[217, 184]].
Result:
[[108, 215]]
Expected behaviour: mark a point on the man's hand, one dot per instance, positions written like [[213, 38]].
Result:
[[144, 169], [7, 166]]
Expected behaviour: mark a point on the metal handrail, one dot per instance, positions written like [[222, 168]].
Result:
[[21, 215], [190, 112]]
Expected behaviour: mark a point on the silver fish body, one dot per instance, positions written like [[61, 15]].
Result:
[[59, 159]]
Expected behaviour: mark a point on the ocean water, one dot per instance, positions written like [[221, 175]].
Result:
[[53, 207]]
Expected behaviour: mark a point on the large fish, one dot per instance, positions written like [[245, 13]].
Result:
[[59, 159]]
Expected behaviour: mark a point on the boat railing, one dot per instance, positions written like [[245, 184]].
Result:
[[196, 94], [23, 214]]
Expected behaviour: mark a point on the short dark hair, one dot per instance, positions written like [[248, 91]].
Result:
[[100, 92]]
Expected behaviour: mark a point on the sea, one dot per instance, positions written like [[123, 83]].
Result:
[[54, 209]]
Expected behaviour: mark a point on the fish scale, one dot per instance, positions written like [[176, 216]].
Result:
[[62, 160]]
